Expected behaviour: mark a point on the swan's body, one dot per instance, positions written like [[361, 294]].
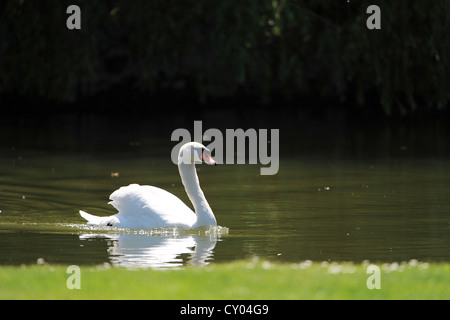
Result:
[[147, 207]]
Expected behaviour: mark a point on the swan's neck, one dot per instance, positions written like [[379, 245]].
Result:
[[188, 174]]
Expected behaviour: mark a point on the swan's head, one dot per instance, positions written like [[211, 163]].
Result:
[[195, 152]]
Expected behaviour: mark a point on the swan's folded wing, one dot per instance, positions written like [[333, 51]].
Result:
[[148, 205]]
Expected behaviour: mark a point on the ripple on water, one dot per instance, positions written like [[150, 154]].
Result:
[[165, 231]]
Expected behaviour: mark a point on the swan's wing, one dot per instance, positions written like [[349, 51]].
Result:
[[150, 207]]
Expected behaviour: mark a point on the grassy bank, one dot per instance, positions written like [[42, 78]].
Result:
[[237, 280]]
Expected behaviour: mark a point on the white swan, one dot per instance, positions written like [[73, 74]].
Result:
[[147, 207]]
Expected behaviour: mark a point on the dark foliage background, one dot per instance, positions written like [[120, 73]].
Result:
[[200, 50]]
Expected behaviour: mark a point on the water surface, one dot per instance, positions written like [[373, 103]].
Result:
[[316, 208]]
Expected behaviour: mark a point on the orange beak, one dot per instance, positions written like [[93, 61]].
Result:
[[208, 159]]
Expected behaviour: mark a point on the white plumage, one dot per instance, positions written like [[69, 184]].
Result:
[[147, 207]]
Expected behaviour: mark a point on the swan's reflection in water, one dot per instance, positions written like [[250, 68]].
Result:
[[159, 251]]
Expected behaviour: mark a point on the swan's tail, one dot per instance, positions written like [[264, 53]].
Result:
[[99, 221]]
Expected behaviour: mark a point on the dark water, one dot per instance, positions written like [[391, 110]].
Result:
[[328, 206]]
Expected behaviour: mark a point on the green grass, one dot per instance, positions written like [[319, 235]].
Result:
[[237, 280]]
